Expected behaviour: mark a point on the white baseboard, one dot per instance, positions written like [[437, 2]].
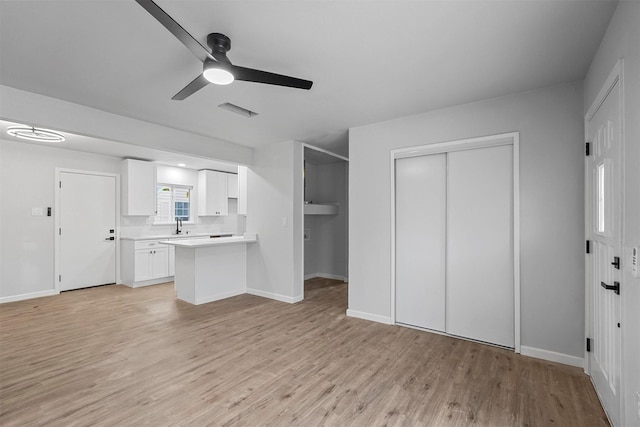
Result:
[[219, 296], [149, 282], [30, 295], [326, 276], [277, 297], [368, 316], [552, 356]]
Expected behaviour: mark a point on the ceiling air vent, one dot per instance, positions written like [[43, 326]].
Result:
[[238, 110]]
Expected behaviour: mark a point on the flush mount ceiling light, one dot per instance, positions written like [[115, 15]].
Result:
[[32, 133]]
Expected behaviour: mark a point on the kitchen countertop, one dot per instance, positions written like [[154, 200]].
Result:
[[178, 236], [198, 243]]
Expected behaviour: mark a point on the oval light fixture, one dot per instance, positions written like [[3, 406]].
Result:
[[218, 76], [33, 133]]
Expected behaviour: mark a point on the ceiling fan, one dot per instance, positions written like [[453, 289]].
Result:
[[217, 68]]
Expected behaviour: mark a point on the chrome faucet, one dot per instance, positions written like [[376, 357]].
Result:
[[178, 226]]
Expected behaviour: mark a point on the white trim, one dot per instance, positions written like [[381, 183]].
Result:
[[218, 297], [509, 138], [149, 282], [56, 220], [30, 295], [330, 153], [368, 316], [552, 356], [457, 145], [326, 276], [274, 296]]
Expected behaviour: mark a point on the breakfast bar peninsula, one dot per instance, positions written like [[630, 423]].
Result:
[[211, 269]]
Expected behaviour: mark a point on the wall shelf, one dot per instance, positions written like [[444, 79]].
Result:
[[320, 209]]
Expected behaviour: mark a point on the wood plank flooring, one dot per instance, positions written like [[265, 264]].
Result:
[[115, 356]]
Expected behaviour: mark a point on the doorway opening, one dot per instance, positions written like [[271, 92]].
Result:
[[325, 224]]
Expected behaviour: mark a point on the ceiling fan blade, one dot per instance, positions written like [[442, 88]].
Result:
[[176, 29], [258, 76], [197, 84]]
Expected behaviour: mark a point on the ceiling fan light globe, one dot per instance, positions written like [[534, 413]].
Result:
[[218, 76]]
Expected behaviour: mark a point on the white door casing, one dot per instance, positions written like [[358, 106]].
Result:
[[603, 128], [86, 213]]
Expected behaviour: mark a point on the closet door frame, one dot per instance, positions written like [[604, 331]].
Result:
[[511, 138]]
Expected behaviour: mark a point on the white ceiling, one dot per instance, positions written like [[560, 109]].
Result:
[[370, 60]]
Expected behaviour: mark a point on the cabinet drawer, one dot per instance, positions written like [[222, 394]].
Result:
[[149, 244]]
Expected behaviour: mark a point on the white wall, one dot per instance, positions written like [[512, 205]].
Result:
[[274, 263], [325, 254], [551, 196], [26, 107], [622, 40], [27, 180]]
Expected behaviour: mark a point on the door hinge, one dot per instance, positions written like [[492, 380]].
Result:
[[588, 248], [59, 277], [59, 231], [589, 344], [588, 148], [59, 184]]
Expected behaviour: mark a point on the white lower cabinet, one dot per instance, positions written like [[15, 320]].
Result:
[[145, 263], [151, 264]]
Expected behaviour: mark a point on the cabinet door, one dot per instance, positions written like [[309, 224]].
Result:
[[160, 263], [212, 193], [138, 188], [143, 265], [222, 193]]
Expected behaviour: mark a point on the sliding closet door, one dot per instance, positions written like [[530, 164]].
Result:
[[420, 241], [480, 279]]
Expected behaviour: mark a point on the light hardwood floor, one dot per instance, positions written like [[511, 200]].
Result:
[[118, 356]]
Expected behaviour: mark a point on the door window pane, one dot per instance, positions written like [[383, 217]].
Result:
[[601, 198]]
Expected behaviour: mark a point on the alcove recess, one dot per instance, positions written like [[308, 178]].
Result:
[[325, 215]]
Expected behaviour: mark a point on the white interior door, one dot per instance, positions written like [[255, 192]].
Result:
[[420, 241], [87, 226], [604, 175], [480, 278]]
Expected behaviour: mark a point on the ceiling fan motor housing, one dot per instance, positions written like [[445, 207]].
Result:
[[219, 42]]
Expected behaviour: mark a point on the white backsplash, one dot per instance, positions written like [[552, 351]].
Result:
[[134, 226]]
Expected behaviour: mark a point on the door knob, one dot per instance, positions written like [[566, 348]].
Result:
[[110, 238], [615, 287]]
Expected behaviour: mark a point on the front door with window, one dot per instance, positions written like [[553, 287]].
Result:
[[604, 230]]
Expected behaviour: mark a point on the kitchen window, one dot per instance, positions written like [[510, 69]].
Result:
[[172, 202]]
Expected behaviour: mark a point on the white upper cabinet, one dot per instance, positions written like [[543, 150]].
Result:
[[233, 186], [138, 188], [213, 193]]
